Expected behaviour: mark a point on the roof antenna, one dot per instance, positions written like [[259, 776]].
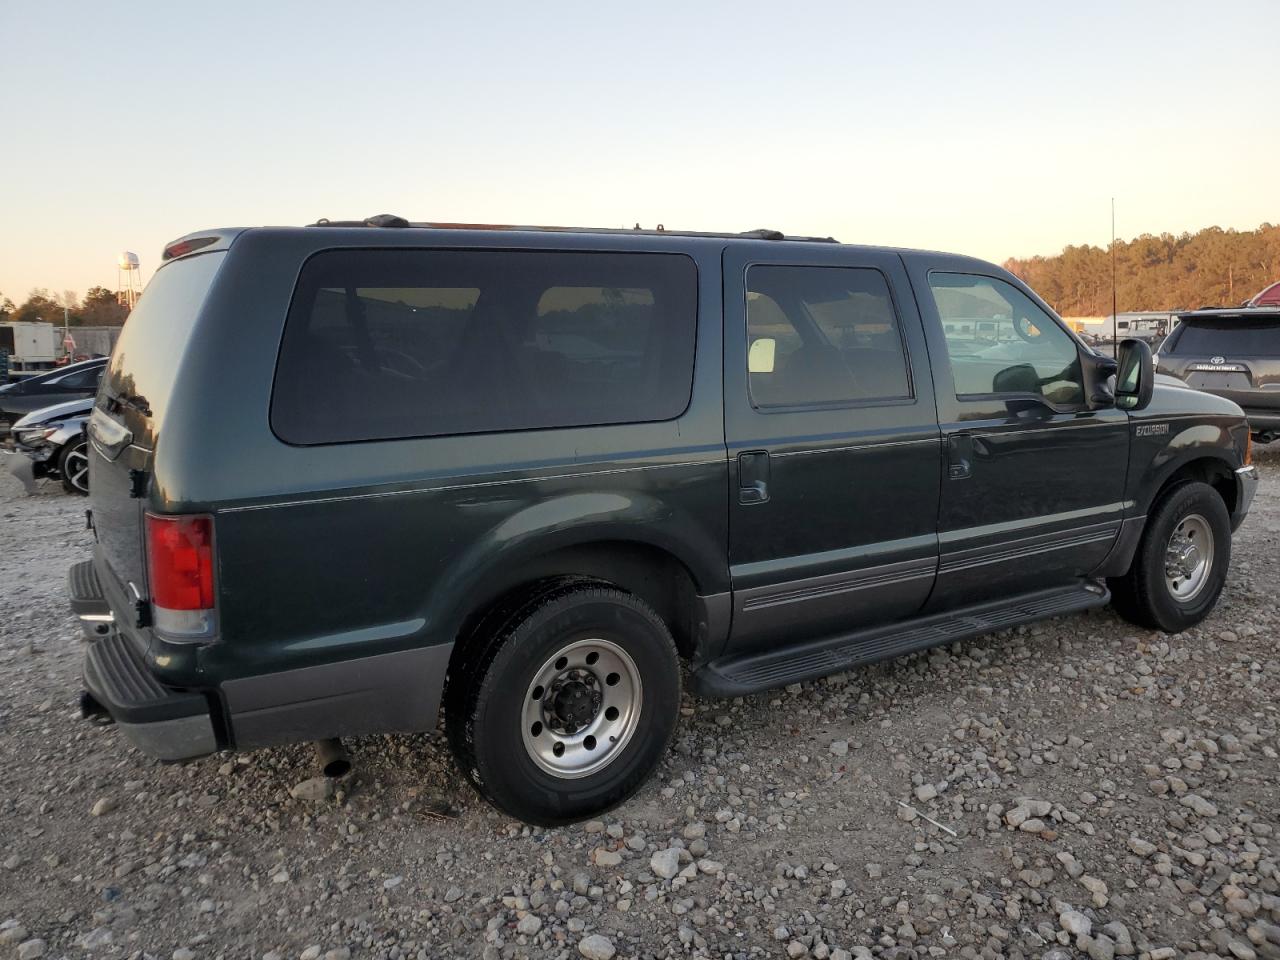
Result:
[[1115, 321]]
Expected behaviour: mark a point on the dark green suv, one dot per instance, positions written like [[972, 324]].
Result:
[[345, 474]]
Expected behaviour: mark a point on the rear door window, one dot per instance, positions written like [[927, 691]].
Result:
[[822, 335], [418, 343]]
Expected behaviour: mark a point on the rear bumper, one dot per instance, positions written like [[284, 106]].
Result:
[[397, 692], [1260, 420], [163, 723], [160, 721]]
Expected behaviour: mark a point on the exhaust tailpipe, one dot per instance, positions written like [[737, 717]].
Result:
[[332, 757]]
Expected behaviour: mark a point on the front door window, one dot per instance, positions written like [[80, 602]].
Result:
[[1002, 343]]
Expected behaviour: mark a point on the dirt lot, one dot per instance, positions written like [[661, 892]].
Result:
[[1111, 792]]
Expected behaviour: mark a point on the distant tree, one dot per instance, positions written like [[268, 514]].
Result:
[[6, 309], [1213, 267], [101, 308], [40, 305]]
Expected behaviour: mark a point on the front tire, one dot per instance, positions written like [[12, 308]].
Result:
[[565, 703], [1181, 564], [73, 467]]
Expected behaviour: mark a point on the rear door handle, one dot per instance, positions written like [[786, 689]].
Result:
[[753, 477], [959, 456]]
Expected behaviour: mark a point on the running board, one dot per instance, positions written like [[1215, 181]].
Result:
[[751, 673]]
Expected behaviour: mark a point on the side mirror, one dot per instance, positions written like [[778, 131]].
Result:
[[1097, 370], [1136, 377]]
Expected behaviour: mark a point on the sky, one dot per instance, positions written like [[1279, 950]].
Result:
[[993, 129]]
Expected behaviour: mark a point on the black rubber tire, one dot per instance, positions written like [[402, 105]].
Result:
[[485, 691], [67, 451], [1142, 596]]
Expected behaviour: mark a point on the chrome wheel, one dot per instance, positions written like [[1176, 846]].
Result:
[[582, 708], [75, 468], [1188, 558]]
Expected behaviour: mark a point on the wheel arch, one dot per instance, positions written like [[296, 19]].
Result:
[[1216, 471], [1196, 466], [651, 572]]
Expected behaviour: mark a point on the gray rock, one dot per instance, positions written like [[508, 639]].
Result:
[[313, 790], [665, 863], [529, 924], [1075, 923], [31, 949], [184, 953], [96, 938], [597, 947], [839, 747], [606, 858], [1199, 805], [1141, 847], [103, 806], [12, 932]]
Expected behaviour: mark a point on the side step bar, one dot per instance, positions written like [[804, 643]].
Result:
[[735, 676]]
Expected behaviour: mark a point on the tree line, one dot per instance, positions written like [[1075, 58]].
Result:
[[1210, 268], [99, 308]]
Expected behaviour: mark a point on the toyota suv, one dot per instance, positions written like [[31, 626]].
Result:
[[1234, 353], [345, 474]]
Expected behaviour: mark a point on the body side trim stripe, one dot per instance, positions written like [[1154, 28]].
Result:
[[859, 580], [478, 484]]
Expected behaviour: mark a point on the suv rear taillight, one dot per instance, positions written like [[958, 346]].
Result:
[[180, 563]]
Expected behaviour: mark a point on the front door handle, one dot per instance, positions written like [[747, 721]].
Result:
[[959, 456], [753, 477]]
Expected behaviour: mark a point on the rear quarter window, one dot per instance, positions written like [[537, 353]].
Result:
[[390, 344], [145, 361]]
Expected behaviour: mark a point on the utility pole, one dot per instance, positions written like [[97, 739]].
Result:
[[1115, 319]]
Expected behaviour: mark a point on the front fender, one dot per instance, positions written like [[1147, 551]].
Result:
[[68, 433], [1154, 458]]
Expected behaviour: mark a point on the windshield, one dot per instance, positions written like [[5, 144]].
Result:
[[1227, 338]]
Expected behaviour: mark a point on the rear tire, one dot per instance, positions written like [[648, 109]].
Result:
[[1181, 563], [564, 703], [73, 467]]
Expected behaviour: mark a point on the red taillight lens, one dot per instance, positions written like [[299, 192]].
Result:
[[180, 556]]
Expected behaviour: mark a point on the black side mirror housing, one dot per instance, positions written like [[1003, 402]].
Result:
[[1097, 372], [1136, 376]]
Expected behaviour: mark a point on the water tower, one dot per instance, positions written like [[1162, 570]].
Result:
[[128, 279]]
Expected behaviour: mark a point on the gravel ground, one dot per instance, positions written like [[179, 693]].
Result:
[[1075, 788]]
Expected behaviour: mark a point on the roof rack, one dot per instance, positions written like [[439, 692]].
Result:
[[388, 220]]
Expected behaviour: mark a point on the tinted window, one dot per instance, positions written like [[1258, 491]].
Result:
[[418, 343], [145, 360], [822, 335], [1229, 338], [1001, 342], [82, 379]]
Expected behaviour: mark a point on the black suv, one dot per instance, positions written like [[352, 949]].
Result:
[[1234, 353], [343, 474], [76, 381]]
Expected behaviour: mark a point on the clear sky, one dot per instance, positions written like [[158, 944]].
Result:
[[995, 129]]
